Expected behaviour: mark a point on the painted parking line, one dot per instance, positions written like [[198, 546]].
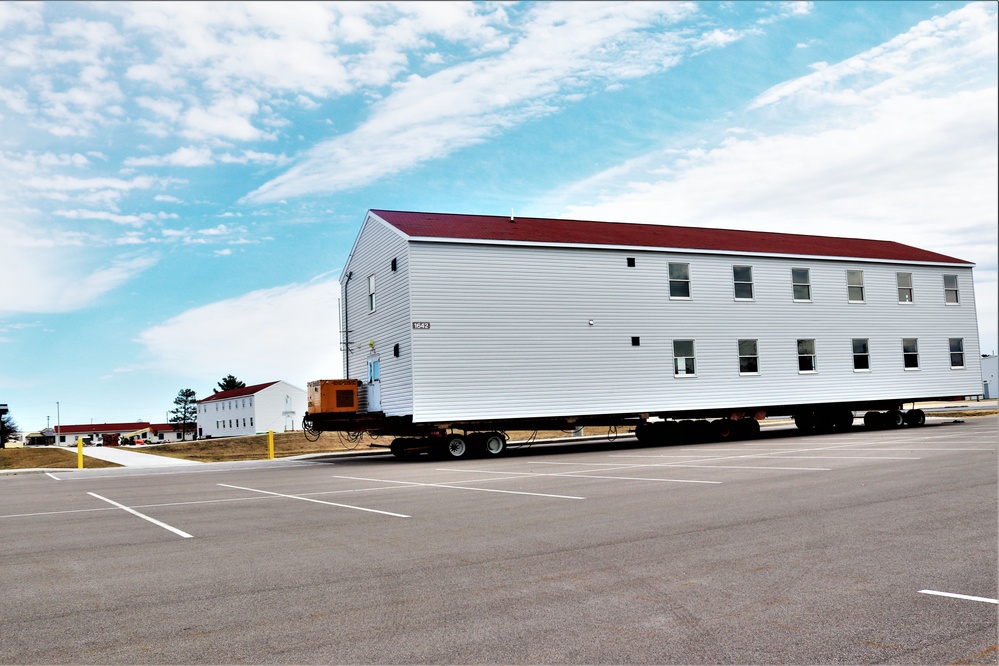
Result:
[[960, 596], [309, 499], [796, 469], [574, 475], [453, 487], [144, 516]]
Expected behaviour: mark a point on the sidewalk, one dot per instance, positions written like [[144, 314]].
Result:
[[129, 458]]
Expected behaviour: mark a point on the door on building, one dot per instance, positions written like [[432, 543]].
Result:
[[374, 385]]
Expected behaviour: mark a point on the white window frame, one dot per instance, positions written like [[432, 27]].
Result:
[[956, 290], [371, 293], [902, 289], [865, 354], [851, 286], [910, 353], [796, 283], [679, 280], [808, 353], [736, 283], [689, 361], [958, 352], [744, 354]]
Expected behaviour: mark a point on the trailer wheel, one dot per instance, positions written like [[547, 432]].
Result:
[[894, 419], [750, 428], [843, 419], [400, 449], [873, 420], [455, 447], [724, 429], [494, 444], [804, 421], [915, 418]]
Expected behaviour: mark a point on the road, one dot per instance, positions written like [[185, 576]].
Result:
[[785, 549]]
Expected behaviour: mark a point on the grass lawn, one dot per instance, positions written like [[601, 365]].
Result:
[[30, 457]]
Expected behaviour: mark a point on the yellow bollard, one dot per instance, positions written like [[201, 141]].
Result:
[[79, 453], [270, 444]]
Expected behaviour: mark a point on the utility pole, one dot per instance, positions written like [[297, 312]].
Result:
[[3, 412]]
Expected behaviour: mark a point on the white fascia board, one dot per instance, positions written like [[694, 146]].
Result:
[[370, 218], [679, 250]]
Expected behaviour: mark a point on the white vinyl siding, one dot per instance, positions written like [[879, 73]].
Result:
[[378, 332]]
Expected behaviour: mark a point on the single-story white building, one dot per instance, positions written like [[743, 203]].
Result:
[[97, 434], [277, 406]]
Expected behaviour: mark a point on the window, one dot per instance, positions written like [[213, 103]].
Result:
[[910, 353], [749, 359], [251, 421], [636, 341], [957, 352], [801, 284], [244, 403], [904, 287], [244, 423], [631, 262], [395, 265], [951, 294], [806, 355], [371, 293], [679, 280], [855, 286], [861, 354], [743, 278], [683, 358], [230, 423]]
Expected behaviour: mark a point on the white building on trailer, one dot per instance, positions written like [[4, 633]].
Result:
[[463, 317], [277, 406]]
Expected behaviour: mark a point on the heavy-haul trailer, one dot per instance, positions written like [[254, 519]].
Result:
[[456, 328]]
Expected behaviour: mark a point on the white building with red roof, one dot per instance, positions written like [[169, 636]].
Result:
[[276, 406], [450, 318], [96, 434]]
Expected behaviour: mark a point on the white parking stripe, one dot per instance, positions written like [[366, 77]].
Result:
[[144, 517], [806, 469], [960, 596], [50, 474], [309, 499], [574, 475], [444, 485]]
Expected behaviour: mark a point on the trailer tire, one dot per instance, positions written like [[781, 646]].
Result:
[[804, 421], [873, 420], [750, 428], [843, 419], [724, 429], [454, 447], [493, 444], [400, 449], [894, 419], [915, 418]]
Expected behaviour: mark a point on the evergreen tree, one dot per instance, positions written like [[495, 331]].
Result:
[[186, 411], [228, 383], [8, 429]]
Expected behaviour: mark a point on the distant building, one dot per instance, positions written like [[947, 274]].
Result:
[[96, 434], [277, 406], [990, 368]]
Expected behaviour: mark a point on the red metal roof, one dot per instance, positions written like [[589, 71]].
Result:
[[95, 428], [237, 393], [548, 230]]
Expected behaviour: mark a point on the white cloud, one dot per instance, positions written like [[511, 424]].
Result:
[[215, 339], [565, 50], [187, 156], [898, 143], [59, 271]]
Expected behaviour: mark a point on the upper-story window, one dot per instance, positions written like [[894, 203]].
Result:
[[910, 353], [904, 281], [952, 295], [371, 293], [801, 283], [806, 356], [679, 280], [855, 286], [742, 276]]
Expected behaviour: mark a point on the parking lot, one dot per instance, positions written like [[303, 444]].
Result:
[[860, 547]]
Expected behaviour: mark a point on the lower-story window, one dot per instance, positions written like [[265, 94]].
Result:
[[749, 358], [806, 355], [910, 353], [957, 352], [683, 358], [861, 354]]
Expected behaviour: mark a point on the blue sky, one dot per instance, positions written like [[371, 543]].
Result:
[[180, 184]]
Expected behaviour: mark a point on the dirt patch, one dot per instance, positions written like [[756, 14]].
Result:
[[964, 415], [30, 458]]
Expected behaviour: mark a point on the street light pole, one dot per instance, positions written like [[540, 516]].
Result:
[[3, 435]]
